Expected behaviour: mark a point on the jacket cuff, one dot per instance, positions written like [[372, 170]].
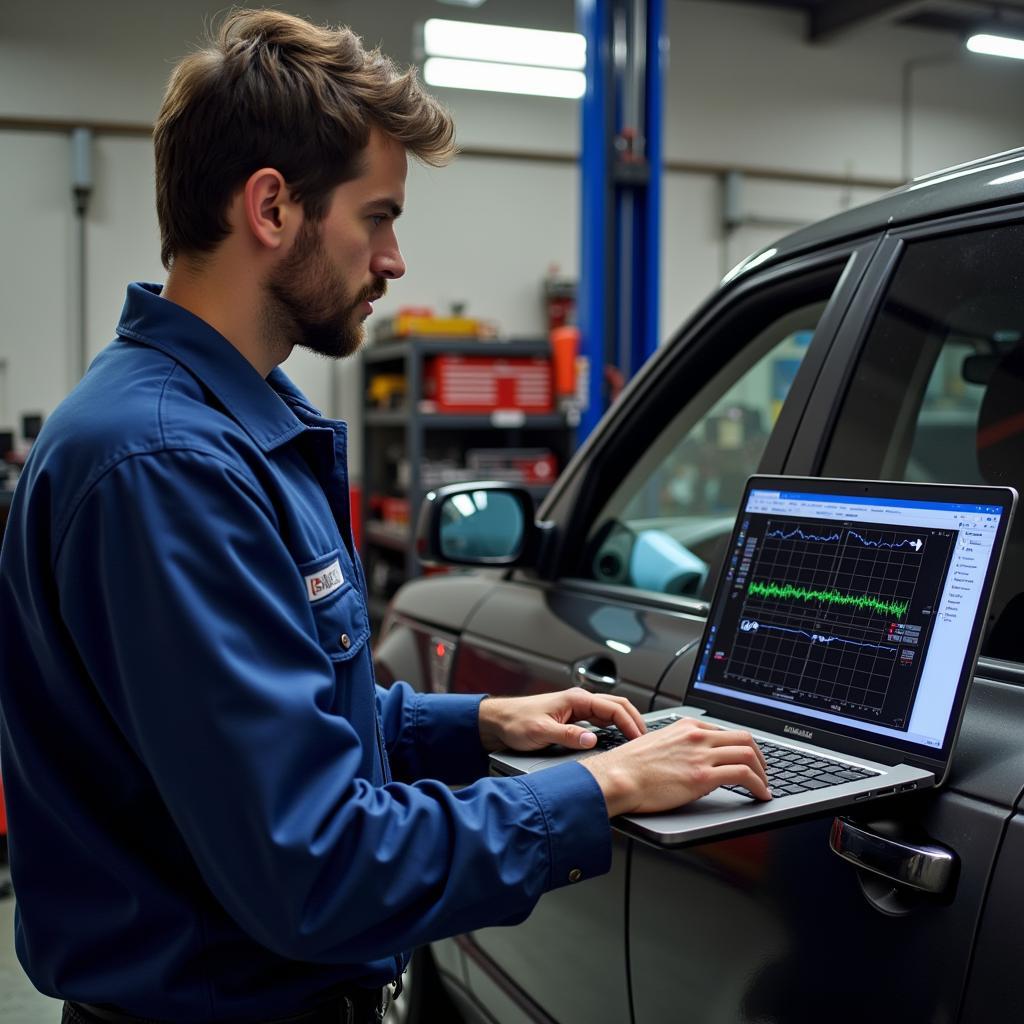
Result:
[[448, 732], [573, 807]]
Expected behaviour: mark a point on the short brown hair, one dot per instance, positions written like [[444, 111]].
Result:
[[273, 90]]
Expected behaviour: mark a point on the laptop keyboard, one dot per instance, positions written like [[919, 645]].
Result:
[[790, 771], [797, 771]]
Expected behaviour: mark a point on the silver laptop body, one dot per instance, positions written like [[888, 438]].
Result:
[[846, 625]]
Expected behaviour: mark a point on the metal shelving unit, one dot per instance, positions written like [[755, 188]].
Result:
[[389, 552]]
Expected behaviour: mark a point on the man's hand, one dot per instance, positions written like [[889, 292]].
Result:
[[529, 723], [675, 765]]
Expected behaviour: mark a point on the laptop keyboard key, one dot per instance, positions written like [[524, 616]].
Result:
[[831, 780]]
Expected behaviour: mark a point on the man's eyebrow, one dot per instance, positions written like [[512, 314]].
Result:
[[389, 204]]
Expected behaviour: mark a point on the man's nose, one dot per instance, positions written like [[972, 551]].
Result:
[[388, 263]]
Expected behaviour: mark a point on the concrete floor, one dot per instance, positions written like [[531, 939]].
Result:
[[20, 1003]]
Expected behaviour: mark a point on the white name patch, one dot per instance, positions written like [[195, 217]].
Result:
[[326, 581]]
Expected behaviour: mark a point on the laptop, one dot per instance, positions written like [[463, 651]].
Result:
[[843, 633]]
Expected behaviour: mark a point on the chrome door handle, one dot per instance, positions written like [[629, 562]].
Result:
[[597, 672], [924, 867]]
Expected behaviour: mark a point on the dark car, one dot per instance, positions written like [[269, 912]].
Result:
[[887, 342]]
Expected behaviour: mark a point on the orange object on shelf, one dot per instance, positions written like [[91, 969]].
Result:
[[565, 343]]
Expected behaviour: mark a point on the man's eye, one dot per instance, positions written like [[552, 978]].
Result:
[[377, 219]]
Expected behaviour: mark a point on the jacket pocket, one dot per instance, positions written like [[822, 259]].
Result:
[[342, 622]]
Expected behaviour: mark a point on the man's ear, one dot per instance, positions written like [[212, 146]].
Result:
[[272, 215]]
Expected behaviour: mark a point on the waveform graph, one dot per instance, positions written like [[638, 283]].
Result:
[[788, 592], [819, 610], [912, 543]]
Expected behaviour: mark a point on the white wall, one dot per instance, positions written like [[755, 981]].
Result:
[[37, 258], [744, 88]]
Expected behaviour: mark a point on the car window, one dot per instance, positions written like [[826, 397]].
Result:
[[665, 525], [938, 393]]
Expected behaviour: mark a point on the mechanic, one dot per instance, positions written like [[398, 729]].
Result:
[[215, 814]]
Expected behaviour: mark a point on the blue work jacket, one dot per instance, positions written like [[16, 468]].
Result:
[[214, 812]]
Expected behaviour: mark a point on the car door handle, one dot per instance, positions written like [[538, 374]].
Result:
[[597, 672], [924, 867]]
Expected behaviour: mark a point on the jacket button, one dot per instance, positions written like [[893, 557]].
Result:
[[345, 640], [575, 875]]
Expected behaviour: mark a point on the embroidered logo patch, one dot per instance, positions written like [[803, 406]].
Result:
[[326, 581]]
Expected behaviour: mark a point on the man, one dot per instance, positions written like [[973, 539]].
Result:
[[215, 815]]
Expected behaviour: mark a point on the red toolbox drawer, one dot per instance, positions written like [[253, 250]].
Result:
[[480, 384]]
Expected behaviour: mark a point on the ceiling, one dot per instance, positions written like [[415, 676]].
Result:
[[827, 19]]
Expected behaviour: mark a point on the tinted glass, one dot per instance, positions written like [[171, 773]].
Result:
[[665, 525], [938, 393]]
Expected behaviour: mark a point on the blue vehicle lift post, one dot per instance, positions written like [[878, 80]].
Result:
[[620, 165]]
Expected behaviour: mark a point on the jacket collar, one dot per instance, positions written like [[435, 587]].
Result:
[[261, 407]]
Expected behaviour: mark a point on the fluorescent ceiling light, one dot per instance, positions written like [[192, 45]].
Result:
[[471, 41], [492, 77], [996, 46]]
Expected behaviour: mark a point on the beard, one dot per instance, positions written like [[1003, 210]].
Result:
[[307, 303]]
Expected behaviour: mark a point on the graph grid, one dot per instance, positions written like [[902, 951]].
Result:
[[823, 609]]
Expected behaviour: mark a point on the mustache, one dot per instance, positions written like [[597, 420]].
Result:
[[373, 292]]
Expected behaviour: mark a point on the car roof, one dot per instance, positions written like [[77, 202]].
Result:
[[987, 181]]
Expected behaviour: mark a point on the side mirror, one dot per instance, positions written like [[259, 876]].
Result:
[[483, 524]]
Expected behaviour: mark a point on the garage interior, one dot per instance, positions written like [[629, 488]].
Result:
[[775, 114]]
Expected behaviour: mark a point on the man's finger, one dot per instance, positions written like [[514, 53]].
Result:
[[740, 755], [737, 737], [739, 775], [629, 721], [606, 710], [619, 717], [575, 738]]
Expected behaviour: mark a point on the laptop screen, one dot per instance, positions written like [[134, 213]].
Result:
[[854, 606]]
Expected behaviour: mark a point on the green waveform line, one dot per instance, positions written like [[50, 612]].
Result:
[[788, 592]]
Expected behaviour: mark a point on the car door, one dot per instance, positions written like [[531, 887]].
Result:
[[638, 522], [923, 383]]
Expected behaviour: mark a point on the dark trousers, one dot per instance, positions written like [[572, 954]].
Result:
[[359, 1008]]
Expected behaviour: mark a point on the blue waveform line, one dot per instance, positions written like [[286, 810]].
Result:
[[916, 544], [782, 535], [752, 626]]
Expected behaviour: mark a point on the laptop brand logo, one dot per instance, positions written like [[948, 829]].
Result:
[[804, 734]]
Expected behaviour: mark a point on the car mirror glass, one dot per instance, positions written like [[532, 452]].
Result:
[[482, 524]]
